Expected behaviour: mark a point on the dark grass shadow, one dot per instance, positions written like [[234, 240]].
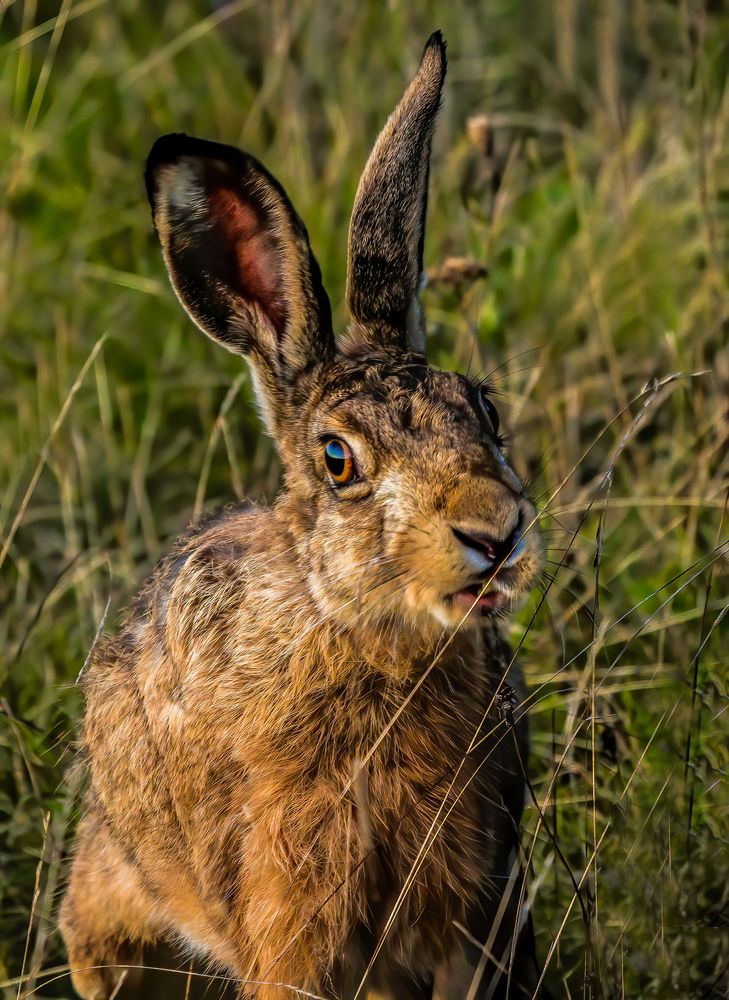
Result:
[[167, 976]]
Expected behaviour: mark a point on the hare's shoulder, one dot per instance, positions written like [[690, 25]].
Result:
[[204, 577], [218, 553]]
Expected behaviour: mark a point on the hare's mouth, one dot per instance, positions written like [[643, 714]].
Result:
[[485, 596], [475, 600]]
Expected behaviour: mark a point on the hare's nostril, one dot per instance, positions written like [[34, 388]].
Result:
[[476, 540], [501, 550]]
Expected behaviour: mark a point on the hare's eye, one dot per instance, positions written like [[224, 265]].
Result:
[[339, 461], [489, 410]]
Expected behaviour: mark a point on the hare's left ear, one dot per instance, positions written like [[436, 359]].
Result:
[[240, 261], [387, 230]]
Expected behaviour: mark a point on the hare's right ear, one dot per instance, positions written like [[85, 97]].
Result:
[[387, 230], [239, 259]]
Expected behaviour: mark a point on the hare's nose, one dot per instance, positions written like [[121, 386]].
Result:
[[496, 550]]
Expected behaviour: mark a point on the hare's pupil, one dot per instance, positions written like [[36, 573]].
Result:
[[336, 457]]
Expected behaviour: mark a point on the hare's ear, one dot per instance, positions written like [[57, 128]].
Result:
[[387, 230], [239, 259]]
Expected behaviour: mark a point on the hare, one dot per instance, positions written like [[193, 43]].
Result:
[[300, 764]]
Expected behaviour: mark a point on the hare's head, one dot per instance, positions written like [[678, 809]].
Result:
[[402, 502]]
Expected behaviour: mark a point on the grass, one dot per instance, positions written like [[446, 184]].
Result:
[[582, 158]]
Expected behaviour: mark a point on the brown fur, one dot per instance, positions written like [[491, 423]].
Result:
[[250, 794]]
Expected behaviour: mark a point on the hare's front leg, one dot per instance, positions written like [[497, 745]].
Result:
[[297, 933], [284, 944], [106, 913], [293, 926]]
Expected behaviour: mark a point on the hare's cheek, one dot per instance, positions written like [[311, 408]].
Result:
[[338, 559]]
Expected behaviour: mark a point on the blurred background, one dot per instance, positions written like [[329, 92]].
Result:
[[576, 250]]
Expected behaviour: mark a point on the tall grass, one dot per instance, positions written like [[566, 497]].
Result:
[[582, 159]]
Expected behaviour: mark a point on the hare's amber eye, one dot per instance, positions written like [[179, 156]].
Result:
[[489, 410], [339, 461]]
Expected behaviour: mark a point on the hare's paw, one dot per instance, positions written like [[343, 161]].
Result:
[[97, 965]]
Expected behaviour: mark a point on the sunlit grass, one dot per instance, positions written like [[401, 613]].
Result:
[[595, 194]]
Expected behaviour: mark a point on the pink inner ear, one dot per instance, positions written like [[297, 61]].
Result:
[[250, 248]]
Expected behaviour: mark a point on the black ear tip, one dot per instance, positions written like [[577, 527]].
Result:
[[437, 41], [166, 149], [169, 147]]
